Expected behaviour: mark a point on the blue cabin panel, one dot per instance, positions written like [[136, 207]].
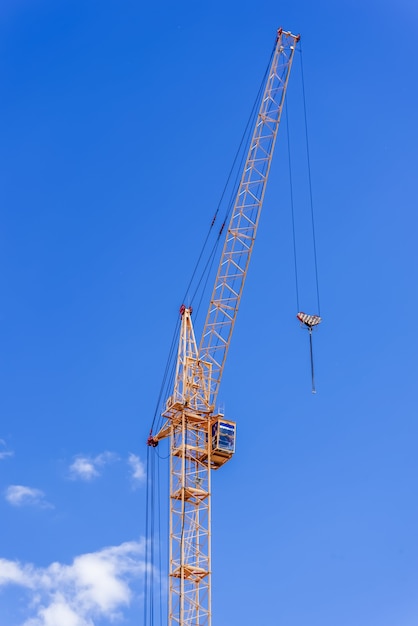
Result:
[[223, 436]]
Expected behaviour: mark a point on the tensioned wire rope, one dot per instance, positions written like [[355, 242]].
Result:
[[153, 484], [292, 207], [291, 193], [310, 182], [153, 543], [311, 204], [313, 235]]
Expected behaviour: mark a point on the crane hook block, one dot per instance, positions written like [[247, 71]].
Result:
[[309, 320]]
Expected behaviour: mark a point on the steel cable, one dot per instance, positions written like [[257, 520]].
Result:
[[310, 182], [292, 208]]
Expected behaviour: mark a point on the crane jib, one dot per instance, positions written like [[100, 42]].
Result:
[[242, 228]]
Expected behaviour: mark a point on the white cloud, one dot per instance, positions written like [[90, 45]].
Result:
[[12, 572], [83, 468], [87, 468], [4, 454], [137, 468], [19, 495], [94, 586], [58, 613]]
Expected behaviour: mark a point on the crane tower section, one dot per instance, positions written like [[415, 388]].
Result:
[[201, 440]]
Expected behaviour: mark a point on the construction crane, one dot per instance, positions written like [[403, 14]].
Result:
[[202, 440]]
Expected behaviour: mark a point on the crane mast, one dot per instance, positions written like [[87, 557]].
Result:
[[200, 439]]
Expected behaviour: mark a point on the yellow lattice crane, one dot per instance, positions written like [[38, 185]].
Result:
[[201, 439]]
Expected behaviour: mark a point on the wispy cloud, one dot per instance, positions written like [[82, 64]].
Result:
[[4, 454], [87, 468], [94, 586], [137, 468], [20, 495]]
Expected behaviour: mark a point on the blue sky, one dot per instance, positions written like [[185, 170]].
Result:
[[119, 122]]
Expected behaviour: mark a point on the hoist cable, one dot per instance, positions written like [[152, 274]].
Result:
[[206, 270], [220, 201], [160, 586], [310, 182], [292, 208], [244, 154], [240, 151], [168, 389], [152, 539], [166, 372], [146, 539], [206, 281], [162, 458], [153, 550], [250, 125], [312, 361], [200, 256], [170, 377]]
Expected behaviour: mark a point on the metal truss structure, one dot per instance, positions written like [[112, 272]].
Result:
[[190, 422], [243, 224]]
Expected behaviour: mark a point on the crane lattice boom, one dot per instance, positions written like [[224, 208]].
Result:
[[242, 228]]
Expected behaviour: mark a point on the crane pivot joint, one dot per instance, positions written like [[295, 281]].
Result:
[[183, 310], [152, 441]]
